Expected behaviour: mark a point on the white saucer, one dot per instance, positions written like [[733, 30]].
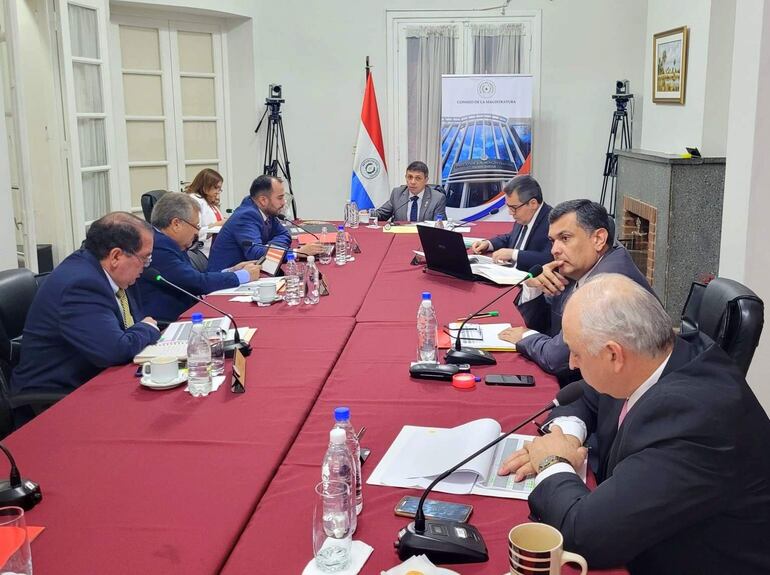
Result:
[[277, 298], [146, 381]]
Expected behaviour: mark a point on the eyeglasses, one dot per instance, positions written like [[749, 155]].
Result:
[[145, 261], [197, 227], [513, 209]]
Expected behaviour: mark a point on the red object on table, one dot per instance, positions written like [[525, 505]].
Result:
[[372, 378], [143, 481]]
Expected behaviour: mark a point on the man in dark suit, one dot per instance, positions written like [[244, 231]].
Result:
[[253, 225], [416, 201], [683, 486], [176, 218], [582, 246], [86, 316], [527, 243]]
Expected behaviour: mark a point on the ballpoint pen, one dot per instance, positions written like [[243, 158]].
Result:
[[480, 315]]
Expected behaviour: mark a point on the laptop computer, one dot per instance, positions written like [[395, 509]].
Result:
[[445, 252]]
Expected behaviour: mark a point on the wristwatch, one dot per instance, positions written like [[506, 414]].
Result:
[[551, 460]]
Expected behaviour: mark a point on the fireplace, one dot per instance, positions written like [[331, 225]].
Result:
[[637, 234]]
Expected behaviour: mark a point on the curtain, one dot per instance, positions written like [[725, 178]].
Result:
[[430, 52], [497, 48], [84, 36]]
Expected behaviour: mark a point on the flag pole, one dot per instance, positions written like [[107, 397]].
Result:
[[367, 67]]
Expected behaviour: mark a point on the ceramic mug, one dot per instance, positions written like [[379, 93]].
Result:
[[161, 369], [538, 549]]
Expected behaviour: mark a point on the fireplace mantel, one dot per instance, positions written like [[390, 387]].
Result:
[[687, 195]]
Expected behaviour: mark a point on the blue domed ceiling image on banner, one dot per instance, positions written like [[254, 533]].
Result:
[[486, 139]]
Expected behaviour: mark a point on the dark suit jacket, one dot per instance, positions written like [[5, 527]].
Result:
[[433, 204], [537, 249], [683, 485], [246, 225], [547, 348], [164, 302], [75, 329]]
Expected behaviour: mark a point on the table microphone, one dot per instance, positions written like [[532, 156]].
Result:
[[446, 541], [16, 491], [467, 220], [283, 218], [392, 219], [153, 275], [479, 356]]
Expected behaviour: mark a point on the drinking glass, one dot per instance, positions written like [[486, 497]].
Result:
[[14, 529], [332, 535], [325, 257], [373, 219], [351, 215], [216, 338]]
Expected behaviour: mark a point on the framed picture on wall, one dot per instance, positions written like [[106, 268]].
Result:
[[669, 66]]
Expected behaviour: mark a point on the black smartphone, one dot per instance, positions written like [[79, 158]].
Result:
[[434, 509], [510, 380]]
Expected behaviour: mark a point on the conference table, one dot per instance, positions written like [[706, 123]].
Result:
[[144, 481]]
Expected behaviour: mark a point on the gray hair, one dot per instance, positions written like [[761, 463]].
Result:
[[614, 307], [173, 205], [526, 187]]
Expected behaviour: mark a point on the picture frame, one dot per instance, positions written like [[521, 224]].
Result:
[[669, 66]]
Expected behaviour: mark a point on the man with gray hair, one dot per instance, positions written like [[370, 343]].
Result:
[[683, 483], [583, 246], [527, 243], [176, 218]]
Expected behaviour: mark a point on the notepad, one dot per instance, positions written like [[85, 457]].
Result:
[[477, 336]]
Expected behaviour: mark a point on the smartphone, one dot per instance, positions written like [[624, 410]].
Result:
[[510, 380], [434, 509]]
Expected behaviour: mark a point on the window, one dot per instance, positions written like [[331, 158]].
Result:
[[422, 46]]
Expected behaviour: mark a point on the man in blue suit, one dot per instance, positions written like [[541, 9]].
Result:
[[527, 243], [86, 316], [176, 218], [582, 247], [253, 225]]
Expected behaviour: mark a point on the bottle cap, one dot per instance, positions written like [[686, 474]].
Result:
[[197, 317], [290, 257], [340, 228], [439, 218], [426, 296], [463, 381], [310, 259], [342, 414], [337, 436]]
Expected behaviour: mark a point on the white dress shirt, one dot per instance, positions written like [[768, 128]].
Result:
[[527, 232]]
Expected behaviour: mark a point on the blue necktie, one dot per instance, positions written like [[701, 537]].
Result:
[[413, 210]]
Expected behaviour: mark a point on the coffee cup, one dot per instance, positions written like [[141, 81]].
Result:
[[161, 369], [538, 549], [266, 292]]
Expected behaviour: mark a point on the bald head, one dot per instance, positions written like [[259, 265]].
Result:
[[612, 307]]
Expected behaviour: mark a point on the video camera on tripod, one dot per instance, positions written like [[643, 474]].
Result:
[[622, 95], [620, 120]]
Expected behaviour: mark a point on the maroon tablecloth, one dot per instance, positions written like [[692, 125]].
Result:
[[371, 376], [142, 481], [395, 291], [348, 285]]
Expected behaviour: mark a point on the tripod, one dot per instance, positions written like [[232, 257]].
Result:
[[276, 157], [619, 118]]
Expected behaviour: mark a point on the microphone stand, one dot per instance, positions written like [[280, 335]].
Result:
[[479, 356], [17, 491], [446, 541], [237, 343]]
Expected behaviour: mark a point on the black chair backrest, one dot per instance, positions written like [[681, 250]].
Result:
[[17, 290], [149, 199], [198, 259], [692, 308], [733, 316]]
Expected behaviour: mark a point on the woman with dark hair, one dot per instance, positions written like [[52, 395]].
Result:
[[206, 188]]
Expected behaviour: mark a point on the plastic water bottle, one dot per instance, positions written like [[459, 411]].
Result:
[[342, 417], [292, 294], [340, 247], [198, 359], [440, 222], [338, 466], [354, 215], [427, 330], [312, 282]]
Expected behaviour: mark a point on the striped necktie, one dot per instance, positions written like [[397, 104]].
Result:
[[125, 310]]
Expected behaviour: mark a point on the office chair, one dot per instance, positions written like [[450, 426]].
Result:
[[148, 200], [729, 313], [197, 258]]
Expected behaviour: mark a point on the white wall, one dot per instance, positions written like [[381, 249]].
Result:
[[7, 236], [747, 179], [702, 121]]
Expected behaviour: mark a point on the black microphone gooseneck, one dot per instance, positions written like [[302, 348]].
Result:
[[17, 491], [440, 542], [479, 356], [392, 218], [151, 274], [465, 221], [283, 218]]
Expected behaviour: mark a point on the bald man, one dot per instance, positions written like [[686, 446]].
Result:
[[684, 479]]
